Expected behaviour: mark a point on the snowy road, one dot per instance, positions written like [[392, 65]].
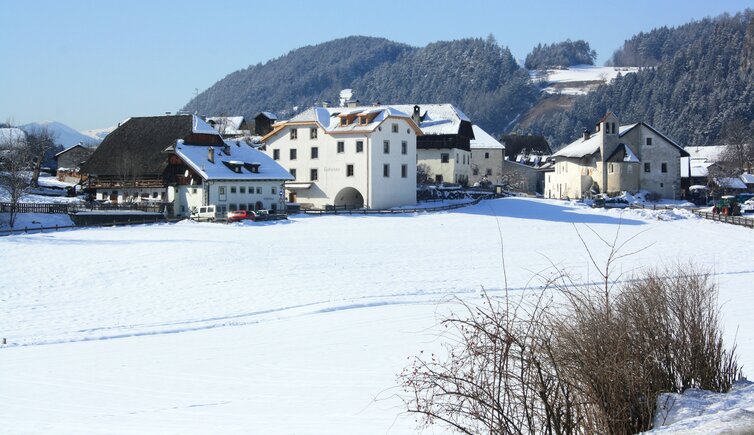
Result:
[[290, 327]]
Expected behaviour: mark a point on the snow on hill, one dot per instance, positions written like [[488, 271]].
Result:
[[291, 327], [577, 79], [99, 133], [64, 135]]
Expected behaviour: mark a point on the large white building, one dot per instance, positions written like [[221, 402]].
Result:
[[348, 156]]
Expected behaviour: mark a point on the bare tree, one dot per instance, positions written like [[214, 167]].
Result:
[[39, 141], [738, 156], [15, 163], [422, 173]]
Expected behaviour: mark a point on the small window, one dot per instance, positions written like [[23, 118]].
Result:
[[242, 189], [349, 170], [395, 128], [293, 173], [386, 170], [273, 190], [404, 171], [233, 206], [664, 167], [242, 206], [312, 133], [475, 171], [294, 133], [404, 147], [488, 172], [611, 169], [647, 168], [293, 153], [315, 152], [359, 146], [193, 190], [341, 147], [313, 175], [154, 194], [362, 120], [486, 155], [259, 190], [221, 190], [649, 141], [344, 121], [276, 154], [232, 189], [444, 157], [386, 147]]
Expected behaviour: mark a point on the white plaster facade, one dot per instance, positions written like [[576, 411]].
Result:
[[354, 157], [614, 159], [450, 165]]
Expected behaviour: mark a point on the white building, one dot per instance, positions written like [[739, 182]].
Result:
[[616, 158], [348, 156], [233, 177], [487, 157]]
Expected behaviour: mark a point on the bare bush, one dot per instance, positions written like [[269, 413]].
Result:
[[592, 361]]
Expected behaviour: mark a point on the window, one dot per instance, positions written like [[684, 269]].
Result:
[[259, 190], [610, 168], [404, 147], [649, 141], [221, 190], [315, 152], [362, 120], [272, 190], [475, 171], [293, 153], [386, 170], [359, 146], [242, 189], [438, 178], [232, 189], [395, 128], [154, 194], [193, 190], [294, 133], [312, 133], [486, 155], [343, 121], [646, 167], [444, 157], [488, 172], [313, 175], [386, 147], [664, 167], [233, 207], [349, 170], [276, 154], [293, 174], [341, 147], [404, 171], [242, 206]]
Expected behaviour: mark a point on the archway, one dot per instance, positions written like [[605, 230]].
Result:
[[349, 197]]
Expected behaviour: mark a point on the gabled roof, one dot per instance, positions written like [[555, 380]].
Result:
[[483, 140], [584, 147], [241, 155], [683, 152], [138, 144], [710, 153], [71, 148], [747, 178], [437, 118], [231, 124]]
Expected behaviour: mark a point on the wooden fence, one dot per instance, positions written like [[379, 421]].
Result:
[[120, 223], [23, 207], [735, 220]]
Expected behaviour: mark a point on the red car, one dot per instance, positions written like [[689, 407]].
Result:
[[240, 215]]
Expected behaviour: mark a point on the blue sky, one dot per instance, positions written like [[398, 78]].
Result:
[[91, 64]]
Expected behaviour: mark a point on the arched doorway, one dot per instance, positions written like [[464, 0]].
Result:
[[350, 198]]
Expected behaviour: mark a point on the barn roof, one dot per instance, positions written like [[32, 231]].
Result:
[[138, 144]]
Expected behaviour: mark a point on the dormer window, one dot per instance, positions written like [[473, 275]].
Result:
[[344, 121], [362, 120]]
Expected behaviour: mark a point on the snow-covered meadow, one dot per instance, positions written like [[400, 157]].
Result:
[[297, 326]]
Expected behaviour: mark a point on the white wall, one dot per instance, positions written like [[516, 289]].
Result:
[[458, 165]]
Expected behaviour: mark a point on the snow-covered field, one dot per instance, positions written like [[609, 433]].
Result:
[[291, 327], [577, 79]]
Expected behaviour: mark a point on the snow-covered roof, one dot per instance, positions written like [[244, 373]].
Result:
[[747, 178], [483, 140], [201, 127], [699, 169], [329, 118], [69, 149], [437, 118], [270, 115], [241, 155], [227, 124], [9, 135], [630, 156], [710, 152], [730, 183], [584, 147]]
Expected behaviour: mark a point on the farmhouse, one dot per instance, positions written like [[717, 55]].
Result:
[[69, 162], [616, 158], [182, 161], [348, 156]]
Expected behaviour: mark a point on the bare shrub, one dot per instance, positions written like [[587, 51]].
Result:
[[592, 361]]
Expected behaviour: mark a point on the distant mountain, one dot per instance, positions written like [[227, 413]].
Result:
[[480, 77], [99, 134], [64, 135]]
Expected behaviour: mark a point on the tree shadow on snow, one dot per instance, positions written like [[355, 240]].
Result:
[[521, 208]]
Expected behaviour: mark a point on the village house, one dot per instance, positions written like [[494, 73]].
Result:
[[69, 162], [349, 157], [616, 158], [487, 157], [182, 161]]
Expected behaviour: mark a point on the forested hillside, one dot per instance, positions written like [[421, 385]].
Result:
[[699, 78], [477, 75], [560, 55]]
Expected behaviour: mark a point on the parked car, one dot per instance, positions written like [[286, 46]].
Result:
[[261, 215], [748, 206], [203, 213], [240, 215]]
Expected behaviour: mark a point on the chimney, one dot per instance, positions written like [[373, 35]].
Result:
[[226, 149], [211, 154], [416, 116], [586, 134]]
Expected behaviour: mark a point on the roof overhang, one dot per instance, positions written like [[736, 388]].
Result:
[[298, 186]]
